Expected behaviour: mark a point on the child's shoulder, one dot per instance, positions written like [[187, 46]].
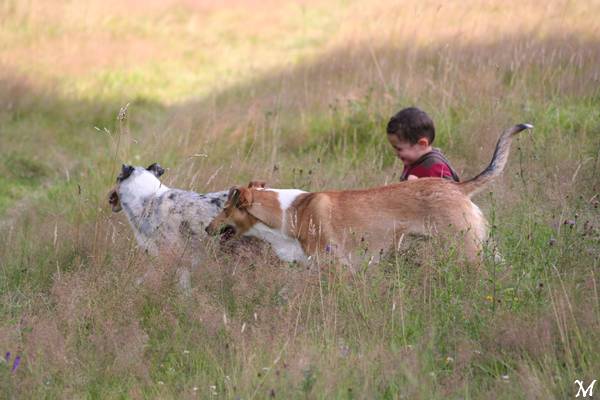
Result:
[[435, 164], [435, 156]]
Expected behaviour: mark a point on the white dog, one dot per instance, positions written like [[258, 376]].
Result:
[[165, 221]]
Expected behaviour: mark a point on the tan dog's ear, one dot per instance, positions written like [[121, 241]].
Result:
[[257, 185], [233, 196], [240, 197], [114, 201]]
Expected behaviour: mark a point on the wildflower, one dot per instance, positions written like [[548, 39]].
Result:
[[195, 388], [449, 359], [16, 363], [186, 352], [489, 298], [160, 382], [505, 377]]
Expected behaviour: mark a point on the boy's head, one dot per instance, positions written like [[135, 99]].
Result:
[[411, 133]]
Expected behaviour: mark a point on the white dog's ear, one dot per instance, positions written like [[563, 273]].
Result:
[[156, 169], [126, 171]]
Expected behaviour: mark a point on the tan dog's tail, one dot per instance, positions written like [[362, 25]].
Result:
[[473, 186]]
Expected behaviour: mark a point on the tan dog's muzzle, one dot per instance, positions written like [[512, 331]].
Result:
[[211, 229]]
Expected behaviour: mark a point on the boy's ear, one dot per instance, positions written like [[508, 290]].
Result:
[[423, 142], [240, 197]]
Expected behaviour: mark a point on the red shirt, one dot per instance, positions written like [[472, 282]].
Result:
[[430, 165]]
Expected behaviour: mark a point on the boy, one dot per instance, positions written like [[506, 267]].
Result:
[[411, 133]]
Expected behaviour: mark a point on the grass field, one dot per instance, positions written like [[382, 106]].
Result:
[[296, 93]]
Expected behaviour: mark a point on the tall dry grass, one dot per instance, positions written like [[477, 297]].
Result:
[[298, 94]]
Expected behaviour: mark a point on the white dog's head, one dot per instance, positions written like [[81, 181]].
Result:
[[135, 182]]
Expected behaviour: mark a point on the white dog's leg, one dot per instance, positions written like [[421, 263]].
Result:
[[184, 279]]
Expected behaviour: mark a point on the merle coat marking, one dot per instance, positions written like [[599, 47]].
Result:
[[163, 218]]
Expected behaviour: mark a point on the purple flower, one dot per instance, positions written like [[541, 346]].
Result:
[[16, 363], [7, 356]]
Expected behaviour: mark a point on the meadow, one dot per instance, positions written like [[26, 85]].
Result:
[[296, 93]]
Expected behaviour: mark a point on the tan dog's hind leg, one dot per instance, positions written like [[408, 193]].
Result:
[[474, 230], [464, 228], [472, 247]]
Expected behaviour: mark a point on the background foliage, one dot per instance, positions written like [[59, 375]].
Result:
[[297, 93]]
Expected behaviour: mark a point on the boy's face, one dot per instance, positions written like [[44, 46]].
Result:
[[409, 152]]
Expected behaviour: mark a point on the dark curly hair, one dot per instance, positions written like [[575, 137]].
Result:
[[411, 124]]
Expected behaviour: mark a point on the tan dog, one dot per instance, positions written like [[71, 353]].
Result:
[[300, 224]]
